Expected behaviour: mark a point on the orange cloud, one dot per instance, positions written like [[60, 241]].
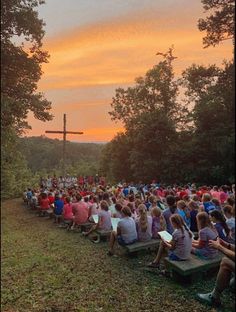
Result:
[[87, 64]]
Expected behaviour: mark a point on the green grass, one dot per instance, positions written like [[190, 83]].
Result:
[[45, 268]]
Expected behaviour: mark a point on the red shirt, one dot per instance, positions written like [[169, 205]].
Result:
[[44, 203], [51, 199]]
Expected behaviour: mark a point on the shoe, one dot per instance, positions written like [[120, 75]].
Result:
[[110, 253], [208, 299], [153, 265]]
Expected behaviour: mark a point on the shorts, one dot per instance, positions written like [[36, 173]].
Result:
[[122, 242], [173, 257], [200, 254]]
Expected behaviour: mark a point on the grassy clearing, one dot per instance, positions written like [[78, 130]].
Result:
[[48, 269]]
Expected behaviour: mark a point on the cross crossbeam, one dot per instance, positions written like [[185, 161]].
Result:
[[64, 132]]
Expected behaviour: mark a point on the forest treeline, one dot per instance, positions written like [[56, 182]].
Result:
[[167, 137], [44, 156]]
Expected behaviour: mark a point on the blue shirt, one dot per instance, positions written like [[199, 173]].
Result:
[[59, 204], [209, 206]]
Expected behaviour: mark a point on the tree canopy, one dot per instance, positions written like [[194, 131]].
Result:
[[220, 24]]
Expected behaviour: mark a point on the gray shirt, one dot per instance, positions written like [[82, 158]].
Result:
[[183, 244], [128, 229]]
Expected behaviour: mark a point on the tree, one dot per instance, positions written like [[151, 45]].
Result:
[[212, 91], [219, 25], [21, 59], [151, 115]]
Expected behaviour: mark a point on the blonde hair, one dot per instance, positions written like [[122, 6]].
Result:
[[206, 197], [181, 204], [179, 222], [153, 199], [143, 222], [193, 205], [156, 212]]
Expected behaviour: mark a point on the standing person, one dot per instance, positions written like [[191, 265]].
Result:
[[126, 231], [58, 208], [180, 245], [172, 209], [227, 268]]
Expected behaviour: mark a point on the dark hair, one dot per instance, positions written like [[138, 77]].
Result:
[[220, 217], [118, 207], [104, 205], [78, 197], [86, 199], [171, 202], [178, 220], [126, 211], [68, 199], [230, 200]]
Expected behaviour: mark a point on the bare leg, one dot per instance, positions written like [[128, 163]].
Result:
[[227, 266], [112, 241], [160, 252], [93, 228]]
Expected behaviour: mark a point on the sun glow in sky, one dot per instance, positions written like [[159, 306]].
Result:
[[98, 46]]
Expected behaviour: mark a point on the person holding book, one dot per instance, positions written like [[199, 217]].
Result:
[[179, 245], [207, 232], [126, 233]]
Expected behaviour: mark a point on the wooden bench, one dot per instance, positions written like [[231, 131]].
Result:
[[100, 235], [135, 247], [192, 269]]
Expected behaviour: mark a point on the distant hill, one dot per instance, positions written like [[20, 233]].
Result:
[[44, 154]]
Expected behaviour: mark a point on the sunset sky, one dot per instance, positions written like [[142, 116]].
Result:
[[97, 46]]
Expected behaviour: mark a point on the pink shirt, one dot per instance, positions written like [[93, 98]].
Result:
[[80, 210], [223, 197], [215, 194], [67, 212]]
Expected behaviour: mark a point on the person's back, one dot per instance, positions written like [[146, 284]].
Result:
[[183, 243], [67, 211], [146, 235], [80, 210], [205, 235], [105, 217], [128, 229], [167, 213], [59, 204]]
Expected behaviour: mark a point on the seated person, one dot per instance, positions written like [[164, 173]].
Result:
[[58, 208], [143, 224], [180, 245], [67, 213], [229, 213], [104, 220], [220, 224], [223, 280], [80, 211], [158, 222], [206, 232], [126, 231], [207, 204], [44, 204]]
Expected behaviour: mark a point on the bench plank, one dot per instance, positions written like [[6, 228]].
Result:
[[142, 245], [193, 265]]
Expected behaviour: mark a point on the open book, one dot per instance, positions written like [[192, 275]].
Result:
[[165, 236], [114, 222], [95, 218]]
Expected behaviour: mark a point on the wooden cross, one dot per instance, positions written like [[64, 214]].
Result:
[[64, 132]]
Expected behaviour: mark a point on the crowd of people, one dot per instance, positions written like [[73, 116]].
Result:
[[145, 210]]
